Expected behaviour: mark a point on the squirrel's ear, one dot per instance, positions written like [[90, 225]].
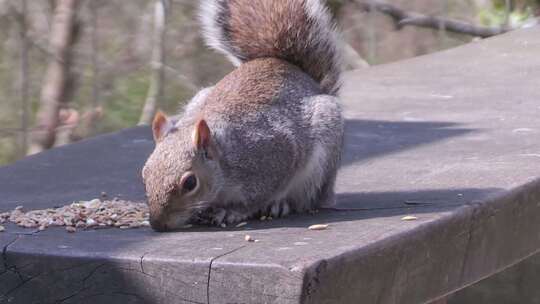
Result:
[[201, 135], [160, 126]]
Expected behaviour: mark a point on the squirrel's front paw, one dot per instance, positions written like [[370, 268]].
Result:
[[234, 216], [219, 216], [209, 216]]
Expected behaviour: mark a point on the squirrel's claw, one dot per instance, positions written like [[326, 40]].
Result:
[[218, 216], [234, 217], [279, 209]]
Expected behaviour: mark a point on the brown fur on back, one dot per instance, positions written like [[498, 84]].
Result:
[[253, 87]]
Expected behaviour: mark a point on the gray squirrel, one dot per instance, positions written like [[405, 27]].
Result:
[[267, 138]]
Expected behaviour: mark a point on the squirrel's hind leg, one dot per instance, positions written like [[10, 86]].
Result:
[[328, 128], [313, 186], [327, 196], [279, 208]]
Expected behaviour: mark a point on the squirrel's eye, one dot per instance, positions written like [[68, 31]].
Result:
[[190, 183]]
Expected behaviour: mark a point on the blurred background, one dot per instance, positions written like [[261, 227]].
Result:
[[72, 69]]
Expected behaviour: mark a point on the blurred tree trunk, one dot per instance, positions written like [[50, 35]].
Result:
[[68, 120], [155, 91], [22, 21], [95, 53], [55, 85], [88, 120]]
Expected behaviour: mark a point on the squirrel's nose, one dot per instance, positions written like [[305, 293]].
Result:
[[158, 225]]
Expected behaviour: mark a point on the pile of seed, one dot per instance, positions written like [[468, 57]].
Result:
[[82, 215]]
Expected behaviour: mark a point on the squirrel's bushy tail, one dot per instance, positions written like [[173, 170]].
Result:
[[298, 31]]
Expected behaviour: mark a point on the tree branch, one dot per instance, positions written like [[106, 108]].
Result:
[[57, 81], [155, 90], [403, 18]]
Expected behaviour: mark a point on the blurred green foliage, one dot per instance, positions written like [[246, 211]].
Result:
[[498, 15]]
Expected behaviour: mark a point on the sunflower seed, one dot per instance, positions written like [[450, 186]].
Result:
[[318, 227], [409, 218]]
